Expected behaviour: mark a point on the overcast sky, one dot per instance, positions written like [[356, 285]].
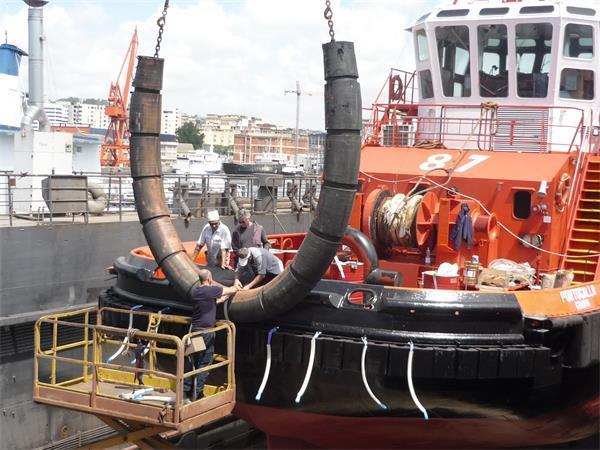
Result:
[[223, 57]]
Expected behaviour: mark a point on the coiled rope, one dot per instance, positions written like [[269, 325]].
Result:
[[396, 218]]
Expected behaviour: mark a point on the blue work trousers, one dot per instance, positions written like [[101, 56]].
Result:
[[199, 360]]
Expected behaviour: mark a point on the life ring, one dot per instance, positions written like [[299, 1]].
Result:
[[560, 197], [396, 88]]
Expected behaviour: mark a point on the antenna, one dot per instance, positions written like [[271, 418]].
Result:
[[298, 93]]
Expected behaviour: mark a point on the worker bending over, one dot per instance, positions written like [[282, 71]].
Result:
[[256, 267]]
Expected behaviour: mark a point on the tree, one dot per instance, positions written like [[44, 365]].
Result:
[[223, 149], [189, 133]]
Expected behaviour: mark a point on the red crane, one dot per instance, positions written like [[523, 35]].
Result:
[[115, 149]]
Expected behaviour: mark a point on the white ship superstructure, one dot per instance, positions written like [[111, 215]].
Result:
[[27, 144]]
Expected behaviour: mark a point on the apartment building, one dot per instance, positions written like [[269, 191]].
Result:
[[220, 130], [171, 120], [57, 113], [268, 139]]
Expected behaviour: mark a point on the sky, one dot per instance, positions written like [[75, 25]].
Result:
[[221, 56]]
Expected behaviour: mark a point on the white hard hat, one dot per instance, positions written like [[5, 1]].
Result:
[[213, 215]]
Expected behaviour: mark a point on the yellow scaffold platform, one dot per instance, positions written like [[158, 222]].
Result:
[[86, 366]]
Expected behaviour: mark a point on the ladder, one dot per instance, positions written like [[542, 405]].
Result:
[[584, 238]]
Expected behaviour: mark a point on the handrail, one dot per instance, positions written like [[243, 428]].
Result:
[[21, 194], [447, 129]]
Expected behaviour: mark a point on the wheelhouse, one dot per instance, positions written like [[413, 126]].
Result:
[[541, 56]]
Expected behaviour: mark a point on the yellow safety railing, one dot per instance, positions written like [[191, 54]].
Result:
[[103, 383]]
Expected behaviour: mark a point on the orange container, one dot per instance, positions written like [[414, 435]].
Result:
[[433, 281]]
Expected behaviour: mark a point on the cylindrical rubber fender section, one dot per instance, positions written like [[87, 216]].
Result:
[[148, 190], [343, 120]]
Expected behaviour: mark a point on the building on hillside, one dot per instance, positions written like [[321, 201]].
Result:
[[171, 120], [88, 114], [219, 130], [268, 139], [57, 113], [190, 118], [168, 151]]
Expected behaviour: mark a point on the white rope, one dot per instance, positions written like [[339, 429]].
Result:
[[397, 215], [364, 374], [265, 378], [126, 338], [411, 388], [155, 398], [135, 393], [505, 228], [340, 267], [311, 361]]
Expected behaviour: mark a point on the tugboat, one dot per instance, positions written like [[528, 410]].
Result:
[[461, 307]]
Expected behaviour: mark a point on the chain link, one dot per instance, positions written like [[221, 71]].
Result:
[[161, 28], [328, 14]]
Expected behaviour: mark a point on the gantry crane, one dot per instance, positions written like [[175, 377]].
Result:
[[115, 149]]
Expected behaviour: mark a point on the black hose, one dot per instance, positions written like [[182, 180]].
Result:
[[343, 121]]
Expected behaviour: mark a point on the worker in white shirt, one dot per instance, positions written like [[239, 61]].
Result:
[[217, 238]]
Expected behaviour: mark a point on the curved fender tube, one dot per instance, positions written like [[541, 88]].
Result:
[[343, 120], [363, 247]]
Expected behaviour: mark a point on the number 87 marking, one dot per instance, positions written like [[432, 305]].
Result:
[[439, 160]]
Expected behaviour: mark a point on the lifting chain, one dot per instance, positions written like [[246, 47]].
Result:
[[328, 14], [161, 27]]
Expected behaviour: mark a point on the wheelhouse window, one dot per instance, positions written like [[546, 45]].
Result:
[[581, 11], [492, 41], [579, 41], [422, 45], [455, 61], [453, 13], [426, 83], [577, 84], [533, 49], [493, 11]]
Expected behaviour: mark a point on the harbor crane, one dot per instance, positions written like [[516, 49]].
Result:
[[115, 149], [298, 93]]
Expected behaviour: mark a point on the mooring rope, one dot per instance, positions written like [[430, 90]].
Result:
[[411, 387], [364, 374], [311, 361], [265, 378], [126, 338]]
